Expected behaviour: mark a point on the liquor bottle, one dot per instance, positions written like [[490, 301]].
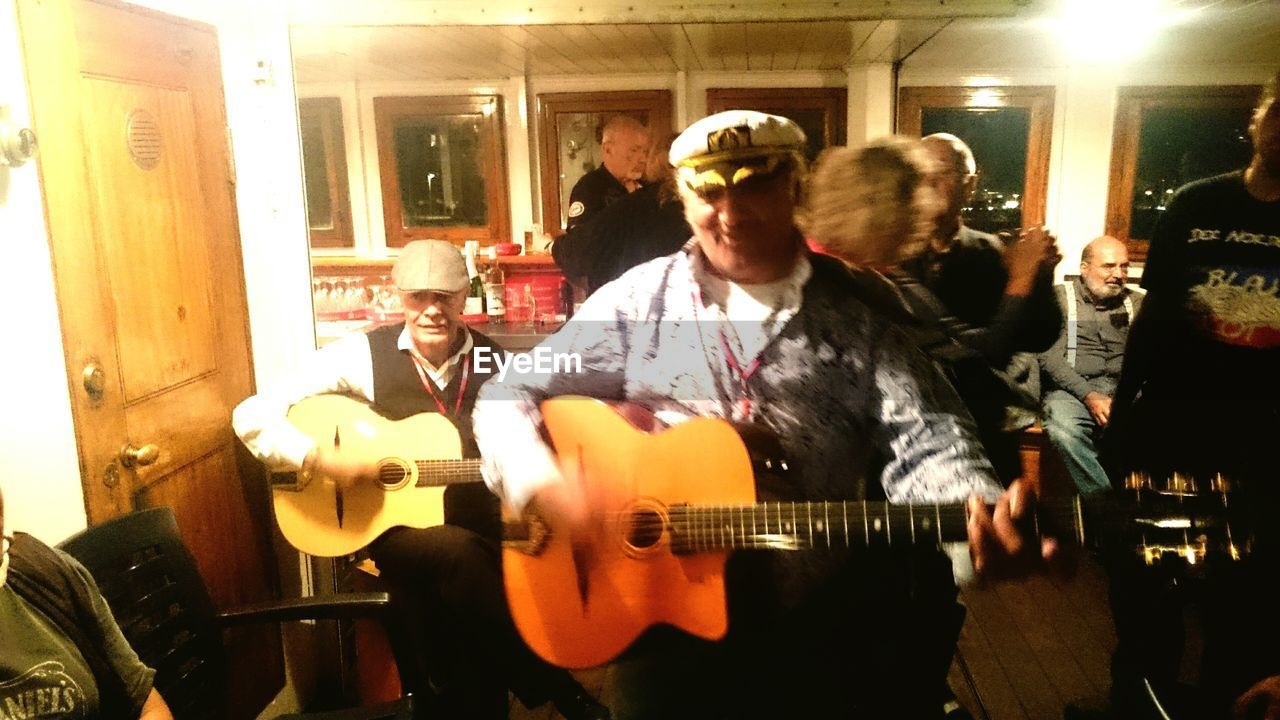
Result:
[[475, 294], [495, 289]]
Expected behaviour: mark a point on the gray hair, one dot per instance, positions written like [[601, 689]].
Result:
[[619, 124], [871, 205]]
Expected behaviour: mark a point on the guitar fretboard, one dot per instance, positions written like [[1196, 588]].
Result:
[[436, 473], [800, 525]]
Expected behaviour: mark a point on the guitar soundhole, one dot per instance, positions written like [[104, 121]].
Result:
[[644, 528], [393, 474]]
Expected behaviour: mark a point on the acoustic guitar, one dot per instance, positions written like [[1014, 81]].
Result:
[[415, 459], [668, 506]]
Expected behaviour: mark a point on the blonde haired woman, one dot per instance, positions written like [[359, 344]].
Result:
[[871, 206]]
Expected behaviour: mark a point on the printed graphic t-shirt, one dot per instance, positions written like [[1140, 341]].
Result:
[[42, 674], [1214, 272]]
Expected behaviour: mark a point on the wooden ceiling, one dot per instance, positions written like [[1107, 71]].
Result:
[[473, 53], [1222, 32]]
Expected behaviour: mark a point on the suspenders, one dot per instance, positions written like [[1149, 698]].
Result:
[[1073, 322]]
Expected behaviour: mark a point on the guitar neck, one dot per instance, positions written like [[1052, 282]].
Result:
[[436, 473], [801, 525]]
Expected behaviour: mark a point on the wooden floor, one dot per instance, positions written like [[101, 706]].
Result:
[[1028, 648]]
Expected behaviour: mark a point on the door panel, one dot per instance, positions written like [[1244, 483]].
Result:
[[243, 574], [150, 234], [150, 287]]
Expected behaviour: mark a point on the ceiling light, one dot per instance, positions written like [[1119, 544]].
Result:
[[1107, 31]]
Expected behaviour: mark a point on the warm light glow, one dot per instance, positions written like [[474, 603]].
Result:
[[983, 81], [985, 97], [1105, 31]]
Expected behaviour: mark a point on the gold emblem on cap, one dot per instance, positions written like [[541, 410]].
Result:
[[729, 139]]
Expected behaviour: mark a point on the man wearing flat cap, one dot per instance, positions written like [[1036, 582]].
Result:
[[451, 571], [745, 324]]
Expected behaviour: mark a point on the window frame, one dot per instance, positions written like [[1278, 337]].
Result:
[[493, 166], [657, 103], [324, 115], [1038, 99], [832, 101], [1132, 102]]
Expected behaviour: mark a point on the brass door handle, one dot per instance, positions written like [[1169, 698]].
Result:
[[131, 456]]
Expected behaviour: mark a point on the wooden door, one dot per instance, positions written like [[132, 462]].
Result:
[[128, 106]]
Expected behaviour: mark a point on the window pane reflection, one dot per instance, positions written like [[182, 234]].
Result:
[[998, 138], [438, 166], [579, 148], [315, 166], [1178, 145]]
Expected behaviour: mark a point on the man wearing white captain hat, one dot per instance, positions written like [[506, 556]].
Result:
[[745, 324]]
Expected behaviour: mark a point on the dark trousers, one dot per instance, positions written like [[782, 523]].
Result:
[[1238, 624], [448, 582], [873, 641]]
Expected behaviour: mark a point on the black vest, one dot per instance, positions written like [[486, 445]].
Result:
[[399, 393]]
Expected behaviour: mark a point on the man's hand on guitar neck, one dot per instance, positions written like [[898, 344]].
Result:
[[1003, 539]]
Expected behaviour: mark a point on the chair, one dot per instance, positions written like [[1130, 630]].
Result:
[[158, 597]]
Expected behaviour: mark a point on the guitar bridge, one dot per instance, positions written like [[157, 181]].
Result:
[[286, 481], [528, 535]]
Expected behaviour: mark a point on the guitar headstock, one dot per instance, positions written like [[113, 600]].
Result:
[[1175, 519]]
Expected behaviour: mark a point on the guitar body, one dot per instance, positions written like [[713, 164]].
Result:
[[309, 518], [580, 600], [581, 607]]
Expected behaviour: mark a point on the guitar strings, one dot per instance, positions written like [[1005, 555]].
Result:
[[712, 525]]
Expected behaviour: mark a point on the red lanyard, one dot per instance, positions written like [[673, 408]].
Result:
[[735, 367], [430, 385], [744, 399]]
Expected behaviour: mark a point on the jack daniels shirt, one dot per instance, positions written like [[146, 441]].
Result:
[[43, 674]]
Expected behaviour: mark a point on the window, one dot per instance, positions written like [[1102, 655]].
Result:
[[1009, 130], [324, 166], [443, 168], [1164, 138], [820, 112], [569, 129]]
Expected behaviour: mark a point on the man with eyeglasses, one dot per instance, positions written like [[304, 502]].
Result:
[[449, 575], [994, 293], [1082, 368]]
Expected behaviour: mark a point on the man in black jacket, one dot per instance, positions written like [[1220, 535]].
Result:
[[625, 145], [644, 225], [998, 294]]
